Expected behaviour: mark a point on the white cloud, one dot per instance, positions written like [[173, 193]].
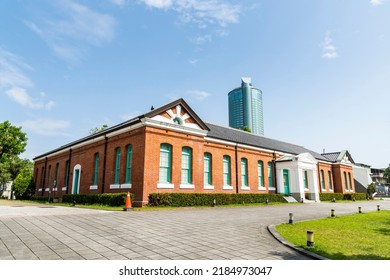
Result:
[[198, 94], [329, 51], [160, 4], [20, 96], [193, 61], [14, 82], [78, 30], [377, 2], [200, 40], [200, 12], [46, 127]]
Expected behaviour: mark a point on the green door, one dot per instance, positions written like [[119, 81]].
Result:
[[76, 181], [286, 181]]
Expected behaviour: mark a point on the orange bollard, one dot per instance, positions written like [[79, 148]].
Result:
[[128, 203]]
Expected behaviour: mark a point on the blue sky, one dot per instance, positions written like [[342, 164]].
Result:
[[70, 65]]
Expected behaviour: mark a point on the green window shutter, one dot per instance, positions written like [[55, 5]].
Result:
[[207, 169], [96, 170], [186, 155], [270, 175], [349, 180], [322, 179], [260, 171], [117, 165], [345, 180], [165, 163], [226, 171], [129, 159], [330, 180], [244, 172], [305, 184]]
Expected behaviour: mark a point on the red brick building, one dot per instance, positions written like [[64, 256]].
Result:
[[170, 149]]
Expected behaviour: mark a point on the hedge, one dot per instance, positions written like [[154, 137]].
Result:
[[207, 199], [341, 196], [117, 199]]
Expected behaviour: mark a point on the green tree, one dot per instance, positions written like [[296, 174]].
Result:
[[23, 186], [98, 129], [386, 174], [13, 142], [246, 128], [371, 189]]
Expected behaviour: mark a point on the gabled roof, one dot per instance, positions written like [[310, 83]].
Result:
[[131, 122], [339, 156], [242, 137], [174, 104], [213, 131]]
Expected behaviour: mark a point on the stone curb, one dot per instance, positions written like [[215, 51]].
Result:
[[278, 237]]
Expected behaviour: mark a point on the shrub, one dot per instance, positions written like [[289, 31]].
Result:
[[341, 196], [24, 186], [206, 199], [117, 199]]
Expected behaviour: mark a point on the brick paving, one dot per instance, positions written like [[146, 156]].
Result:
[[41, 232]]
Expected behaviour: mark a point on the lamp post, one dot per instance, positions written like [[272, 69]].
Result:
[[310, 238], [290, 218]]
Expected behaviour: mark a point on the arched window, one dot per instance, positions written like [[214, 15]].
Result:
[[165, 163], [186, 163], [270, 175], [345, 180], [330, 180], [260, 172], [207, 168], [244, 172], [117, 165], [226, 171], [129, 159], [322, 179], [96, 170]]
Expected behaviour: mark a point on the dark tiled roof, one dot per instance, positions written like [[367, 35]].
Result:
[[332, 156], [241, 137]]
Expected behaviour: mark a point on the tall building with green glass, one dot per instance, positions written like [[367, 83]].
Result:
[[246, 107]]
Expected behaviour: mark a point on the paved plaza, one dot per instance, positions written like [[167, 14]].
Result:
[[45, 232]]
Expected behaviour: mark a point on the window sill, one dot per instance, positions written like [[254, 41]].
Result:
[[262, 188], [94, 187], [126, 186], [165, 186], [187, 186], [227, 187], [115, 187], [64, 189], [272, 189], [245, 188], [209, 187]]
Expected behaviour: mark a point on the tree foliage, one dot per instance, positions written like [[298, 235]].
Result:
[[23, 185], [13, 142], [386, 174], [98, 129]]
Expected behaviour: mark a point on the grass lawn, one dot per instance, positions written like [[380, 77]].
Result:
[[363, 236]]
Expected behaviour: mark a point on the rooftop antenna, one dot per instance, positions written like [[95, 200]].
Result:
[[151, 108]]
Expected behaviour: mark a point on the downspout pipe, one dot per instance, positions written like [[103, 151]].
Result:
[[236, 162], [104, 162], [69, 165], [44, 178], [275, 173]]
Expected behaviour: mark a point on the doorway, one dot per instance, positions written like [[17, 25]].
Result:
[[286, 181]]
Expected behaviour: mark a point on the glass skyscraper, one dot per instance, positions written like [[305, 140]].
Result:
[[246, 107]]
